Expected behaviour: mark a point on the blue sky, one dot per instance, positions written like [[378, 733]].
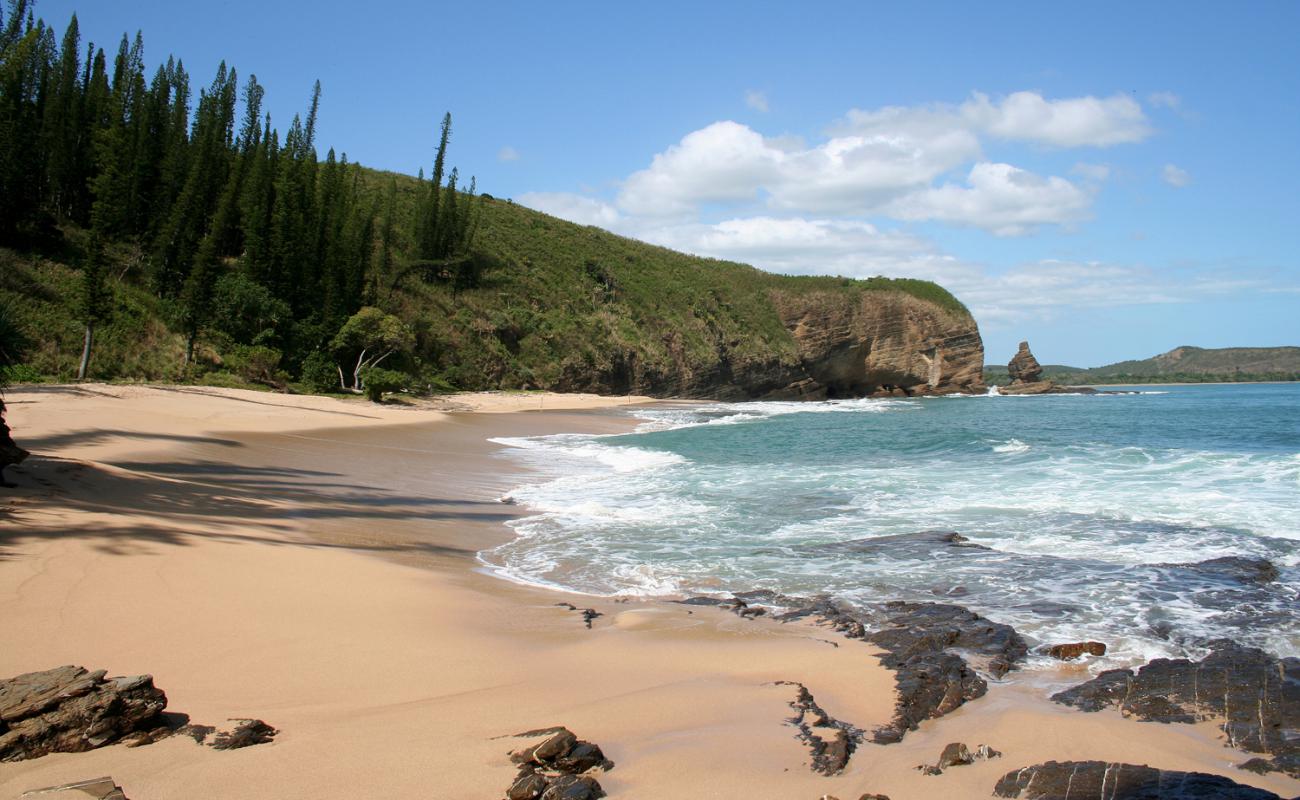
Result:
[[1109, 180]]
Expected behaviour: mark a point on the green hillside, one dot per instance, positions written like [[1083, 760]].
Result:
[[554, 306], [164, 223], [1181, 365]]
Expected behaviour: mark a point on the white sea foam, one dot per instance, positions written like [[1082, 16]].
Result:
[[1081, 521]]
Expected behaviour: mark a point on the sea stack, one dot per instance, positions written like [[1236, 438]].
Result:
[[1026, 374]]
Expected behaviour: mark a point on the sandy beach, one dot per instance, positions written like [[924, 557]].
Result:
[[311, 562]]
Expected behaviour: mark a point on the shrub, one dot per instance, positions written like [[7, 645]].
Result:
[[255, 364], [319, 373], [378, 380]]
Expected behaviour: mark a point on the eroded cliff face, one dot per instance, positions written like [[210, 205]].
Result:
[[843, 344], [879, 344]]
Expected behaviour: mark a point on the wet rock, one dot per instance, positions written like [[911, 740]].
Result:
[[1253, 695], [1233, 569], [1066, 780], [588, 614], [70, 709], [916, 638], [246, 733], [830, 741], [95, 788], [552, 769], [1071, 651], [1024, 368], [900, 545]]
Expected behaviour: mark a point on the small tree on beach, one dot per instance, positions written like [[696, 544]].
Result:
[[96, 301], [368, 338]]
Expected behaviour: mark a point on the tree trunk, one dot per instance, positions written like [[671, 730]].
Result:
[[85, 351], [189, 350]]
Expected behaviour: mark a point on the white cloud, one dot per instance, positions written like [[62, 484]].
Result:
[[1071, 122], [756, 100], [1000, 198], [724, 161], [507, 153], [573, 207], [1164, 100], [1175, 176], [1096, 173]]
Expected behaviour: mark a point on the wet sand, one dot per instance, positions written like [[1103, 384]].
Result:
[[310, 562]]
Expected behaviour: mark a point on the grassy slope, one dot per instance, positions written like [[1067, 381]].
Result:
[[559, 300]]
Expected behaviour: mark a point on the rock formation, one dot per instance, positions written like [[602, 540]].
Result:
[[849, 344], [879, 344], [556, 767], [1026, 374], [10, 453], [918, 640], [1071, 651], [957, 754], [830, 741], [70, 709], [1254, 696], [93, 789], [1067, 780]]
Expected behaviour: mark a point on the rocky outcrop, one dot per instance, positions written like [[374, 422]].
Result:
[[10, 453], [1069, 780], [70, 710], [557, 767], [1071, 651], [1255, 698], [957, 754], [1024, 368], [830, 741], [93, 789], [879, 344]]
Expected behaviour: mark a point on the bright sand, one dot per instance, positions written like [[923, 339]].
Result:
[[309, 561]]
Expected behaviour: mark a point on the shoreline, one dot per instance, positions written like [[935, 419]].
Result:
[[252, 533]]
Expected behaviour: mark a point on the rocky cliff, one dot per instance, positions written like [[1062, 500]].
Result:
[[837, 344], [881, 344]]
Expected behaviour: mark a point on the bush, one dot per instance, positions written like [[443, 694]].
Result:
[[255, 364], [319, 373], [20, 373], [378, 380]]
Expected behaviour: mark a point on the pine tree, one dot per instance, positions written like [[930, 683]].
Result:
[[96, 301]]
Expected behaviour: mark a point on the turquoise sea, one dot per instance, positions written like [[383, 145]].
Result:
[[1094, 513]]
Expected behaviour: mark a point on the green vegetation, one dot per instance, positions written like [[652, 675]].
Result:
[[137, 243], [1180, 365]]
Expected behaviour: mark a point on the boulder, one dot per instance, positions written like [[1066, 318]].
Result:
[[1024, 368], [1071, 651], [70, 709], [553, 768], [1254, 696], [1066, 780], [246, 733]]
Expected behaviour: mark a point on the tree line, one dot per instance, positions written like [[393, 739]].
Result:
[[250, 241]]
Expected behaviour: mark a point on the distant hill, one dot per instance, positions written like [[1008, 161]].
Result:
[[1181, 365]]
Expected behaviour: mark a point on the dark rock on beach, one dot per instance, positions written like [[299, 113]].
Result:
[[916, 638], [1071, 651], [71, 709], [957, 754], [830, 741], [246, 733], [93, 789], [1253, 695], [553, 768], [1068, 780], [588, 614]]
